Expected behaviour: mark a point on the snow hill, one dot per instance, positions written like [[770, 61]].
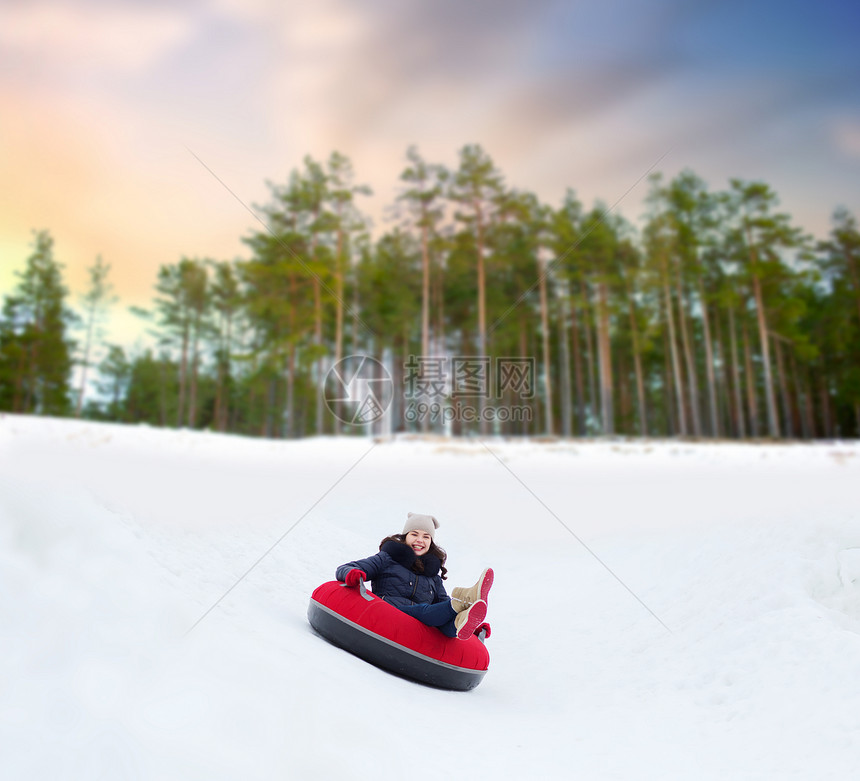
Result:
[[115, 541]]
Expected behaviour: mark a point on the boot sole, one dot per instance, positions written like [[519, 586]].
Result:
[[475, 616], [486, 581]]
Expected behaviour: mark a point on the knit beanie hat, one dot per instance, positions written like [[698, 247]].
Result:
[[426, 523]]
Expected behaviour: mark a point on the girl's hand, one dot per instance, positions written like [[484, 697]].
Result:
[[354, 577]]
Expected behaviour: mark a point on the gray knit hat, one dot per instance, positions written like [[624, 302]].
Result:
[[426, 523]]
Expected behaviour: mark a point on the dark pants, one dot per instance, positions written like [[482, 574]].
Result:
[[441, 615]]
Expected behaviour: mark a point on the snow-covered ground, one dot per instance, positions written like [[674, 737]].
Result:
[[115, 541]]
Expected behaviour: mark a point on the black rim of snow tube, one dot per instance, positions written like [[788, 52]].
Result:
[[388, 655]]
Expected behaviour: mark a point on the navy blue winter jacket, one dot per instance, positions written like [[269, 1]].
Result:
[[392, 577]]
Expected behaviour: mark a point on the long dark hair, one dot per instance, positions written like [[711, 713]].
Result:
[[418, 565]]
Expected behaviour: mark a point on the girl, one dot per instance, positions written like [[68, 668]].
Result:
[[408, 572]]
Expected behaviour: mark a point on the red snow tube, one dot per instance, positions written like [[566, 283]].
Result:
[[365, 625]]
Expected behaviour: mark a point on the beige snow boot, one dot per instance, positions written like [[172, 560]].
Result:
[[468, 620], [463, 598]]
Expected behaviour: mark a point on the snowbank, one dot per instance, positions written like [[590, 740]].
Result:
[[115, 541]]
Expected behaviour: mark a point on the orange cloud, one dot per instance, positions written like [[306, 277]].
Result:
[[118, 36]]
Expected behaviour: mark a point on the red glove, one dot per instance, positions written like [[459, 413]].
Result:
[[354, 577]]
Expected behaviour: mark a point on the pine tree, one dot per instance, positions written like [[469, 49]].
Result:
[[839, 264], [96, 300], [389, 279], [565, 235], [761, 235], [114, 372], [521, 282], [181, 310], [35, 353], [226, 302], [475, 185], [423, 197], [346, 222]]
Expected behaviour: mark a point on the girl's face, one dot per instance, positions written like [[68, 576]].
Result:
[[419, 541]]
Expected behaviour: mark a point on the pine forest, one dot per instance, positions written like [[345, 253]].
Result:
[[489, 311]]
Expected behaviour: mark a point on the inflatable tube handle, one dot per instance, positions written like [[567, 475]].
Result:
[[362, 589]]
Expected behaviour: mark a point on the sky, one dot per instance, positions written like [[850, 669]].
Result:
[[145, 131]]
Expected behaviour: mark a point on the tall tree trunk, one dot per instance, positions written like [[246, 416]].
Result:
[[425, 306], [624, 421], [29, 389], [800, 401], [740, 426], [676, 363], [192, 390], [91, 316], [482, 307], [578, 375], [290, 409], [318, 341], [544, 320], [195, 365], [724, 398], [439, 336], [564, 348], [271, 406], [318, 335], [605, 353], [291, 390], [228, 351], [32, 396], [398, 418], [637, 363], [438, 344], [20, 373], [590, 364], [809, 393], [669, 403], [686, 343], [770, 398], [787, 410], [709, 363], [355, 345], [183, 372], [425, 292], [482, 314], [826, 416], [219, 377], [338, 311], [524, 350], [339, 288], [163, 395], [750, 382]]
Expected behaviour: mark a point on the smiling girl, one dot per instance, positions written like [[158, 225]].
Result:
[[408, 572]]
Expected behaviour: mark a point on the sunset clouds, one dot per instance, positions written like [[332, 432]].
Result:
[[102, 101]]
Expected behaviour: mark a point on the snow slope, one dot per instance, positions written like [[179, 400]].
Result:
[[115, 541]]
